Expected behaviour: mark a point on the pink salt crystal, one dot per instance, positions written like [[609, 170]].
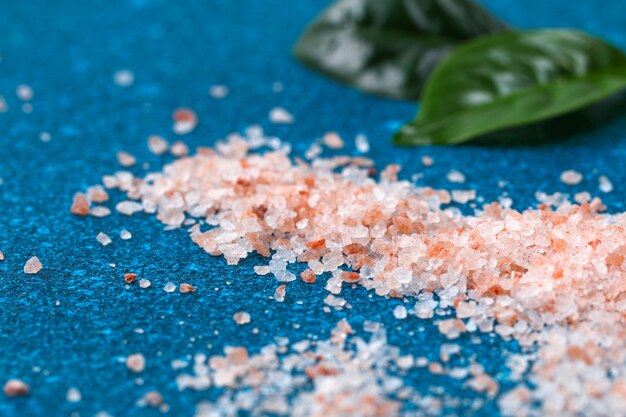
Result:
[[400, 312], [185, 121], [80, 205], [128, 207], [262, 270], [103, 239], [136, 362], [179, 149], [153, 399], [571, 177], [157, 144], [218, 91], [279, 115], [126, 159], [241, 317], [279, 294], [186, 288], [427, 161], [32, 266], [463, 196], [99, 211], [333, 140], [455, 176], [582, 197], [97, 194], [16, 388]]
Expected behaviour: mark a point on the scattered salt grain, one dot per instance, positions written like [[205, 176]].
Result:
[[333, 140], [32, 266], [16, 388], [582, 197], [427, 161], [400, 312], [73, 395], [218, 91], [27, 108], [571, 177], [157, 144], [169, 287], [241, 317], [96, 194], [130, 277], [128, 207], [463, 196], [179, 149], [45, 137], [99, 211], [279, 115], [1, 256], [125, 235], [361, 143], [136, 362], [124, 78], [605, 185], [80, 205], [125, 159], [186, 288], [24, 92], [277, 87], [185, 121], [104, 239], [262, 270], [144, 283], [279, 294], [3, 105], [455, 177]]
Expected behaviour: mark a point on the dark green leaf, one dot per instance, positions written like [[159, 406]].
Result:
[[390, 47], [511, 80]]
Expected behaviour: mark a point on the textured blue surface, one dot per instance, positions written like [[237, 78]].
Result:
[[67, 51]]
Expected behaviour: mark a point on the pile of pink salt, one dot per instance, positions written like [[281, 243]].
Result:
[[550, 278]]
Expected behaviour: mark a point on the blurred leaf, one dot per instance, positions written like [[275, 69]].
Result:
[[390, 47], [511, 80]]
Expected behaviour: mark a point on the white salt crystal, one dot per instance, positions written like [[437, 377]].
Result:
[[32, 266], [169, 287], [128, 207], [313, 152], [125, 235], [103, 239], [262, 270], [361, 143], [400, 312], [218, 91], [571, 177], [99, 211], [463, 196], [45, 137], [455, 176], [605, 184], [124, 78], [24, 92], [281, 116], [73, 395], [157, 144], [126, 159], [333, 140], [144, 283]]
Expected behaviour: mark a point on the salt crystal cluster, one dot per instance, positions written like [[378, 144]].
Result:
[[553, 277]]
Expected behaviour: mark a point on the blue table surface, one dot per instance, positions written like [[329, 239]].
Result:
[[76, 319]]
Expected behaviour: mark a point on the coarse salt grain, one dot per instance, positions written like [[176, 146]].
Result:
[[169, 287], [128, 207], [130, 277], [33, 265], [279, 115], [605, 184], [186, 288], [144, 283], [124, 78], [1, 256], [45, 137], [361, 143], [136, 362], [125, 235], [571, 177], [24, 92], [241, 317], [157, 145], [333, 140], [279, 294], [73, 395], [179, 149], [185, 121], [427, 161], [125, 159], [16, 388], [455, 177], [104, 239]]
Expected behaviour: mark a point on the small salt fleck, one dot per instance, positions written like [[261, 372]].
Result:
[[128, 207], [277, 87], [241, 317], [361, 143], [125, 235], [104, 239], [427, 161], [279, 294], [130, 277], [179, 149], [605, 184], [157, 144], [400, 312], [333, 140], [45, 137], [99, 211], [126, 159], [24, 92], [32, 266], [80, 205], [280, 116], [218, 91], [169, 287], [73, 395], [3, 105], [136, 362], [185, 121], [571, 177], [144, 283], [456, 177], [27, 108], [16, 388], [124, 78], [262, 270], [1, 256]]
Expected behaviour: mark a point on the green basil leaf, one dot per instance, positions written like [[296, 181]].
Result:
[[390, 47], [513, 79]]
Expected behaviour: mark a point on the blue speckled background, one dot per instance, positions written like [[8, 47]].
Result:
[[68, 50]]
